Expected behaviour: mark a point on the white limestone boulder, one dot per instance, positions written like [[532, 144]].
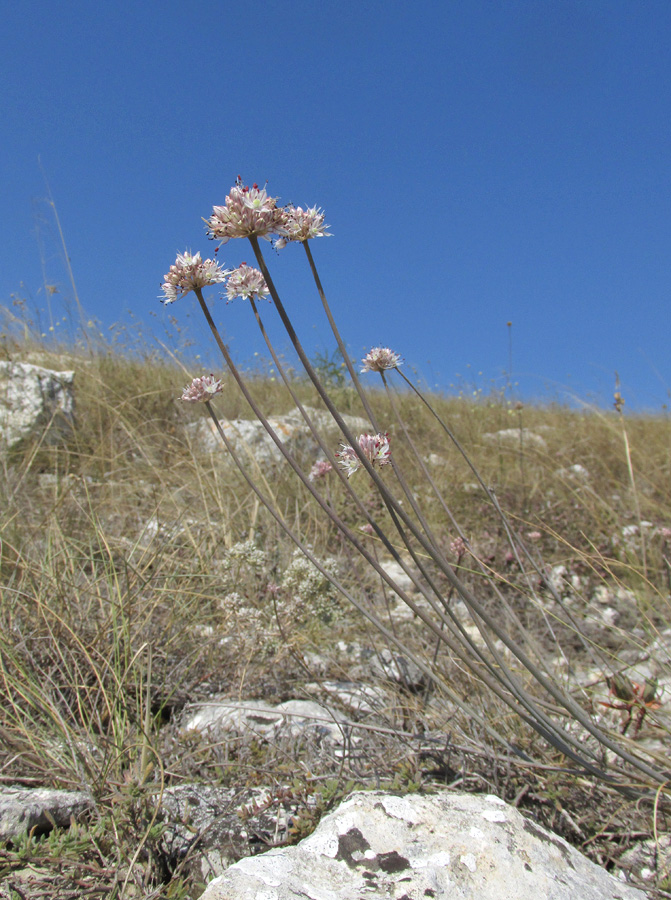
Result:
[[448, 846], [255, 717], [249, 437], [516, 438], [34, 400]]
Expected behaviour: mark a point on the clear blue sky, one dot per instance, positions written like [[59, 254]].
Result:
[[479, 162]]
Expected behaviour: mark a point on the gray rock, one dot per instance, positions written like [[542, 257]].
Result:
[[516, 437], [33, 399], [576, 473], [293, 718], [649, 859], [394, 667], [202, 818], [216, 826], [249, 437], [448, 845], [225, 715], [395, 570], [354, 696], [22, 809]]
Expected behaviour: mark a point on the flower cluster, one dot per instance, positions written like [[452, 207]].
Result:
[[375, 447], [380, 358], [202, 389], [458, 547], [248, 211], [302, 225], [311, 592], [246, 281], [189, 272], [320, 468]]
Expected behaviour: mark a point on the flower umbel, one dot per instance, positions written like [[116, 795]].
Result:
[[321, 468], [302, 225], [246, 281], [380, 358], [247, 211], [202, 389], [375, 447], [189, 272]]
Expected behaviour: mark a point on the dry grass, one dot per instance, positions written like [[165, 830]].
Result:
[[126, 593]]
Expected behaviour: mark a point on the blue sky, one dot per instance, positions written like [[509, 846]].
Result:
[[478, 162]]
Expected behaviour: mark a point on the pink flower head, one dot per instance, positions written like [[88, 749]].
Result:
[[321, 468], [534, 535], [246, 281], [247, 211], [190, 272], [380, 358], [375, 447], [302, 225], [458, 547], [665, 533], [202, 389]]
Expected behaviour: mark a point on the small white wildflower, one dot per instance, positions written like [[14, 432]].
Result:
[[375, 447], [202, 389], [380, 358], [189, 272], [247, 212], [320, 468], [302, 225], [246, 282]]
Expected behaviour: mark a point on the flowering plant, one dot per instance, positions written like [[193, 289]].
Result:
[[501, 660]]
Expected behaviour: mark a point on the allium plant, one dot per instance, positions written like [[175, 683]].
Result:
[[379, 359], [509, 684], [320, 469], [202, 389], [374, 447], [246, 282], [247, 212], [302, 225], [188, 273]]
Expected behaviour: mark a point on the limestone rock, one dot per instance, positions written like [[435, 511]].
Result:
[[293, 717], [204, 816], [249, 437], [448, 845], [517, 437], [576, 474], [384, 664], [32, 399], [22, 809]]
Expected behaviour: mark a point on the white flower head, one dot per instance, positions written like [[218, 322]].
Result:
[[320, 469], [302, 225], [247, 212], [202, 389], [246, 282], [375, 447], [189, 272], [380, 358]]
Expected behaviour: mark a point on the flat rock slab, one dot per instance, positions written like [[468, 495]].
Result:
[[292, 717], [22, 809], [446, 846]]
